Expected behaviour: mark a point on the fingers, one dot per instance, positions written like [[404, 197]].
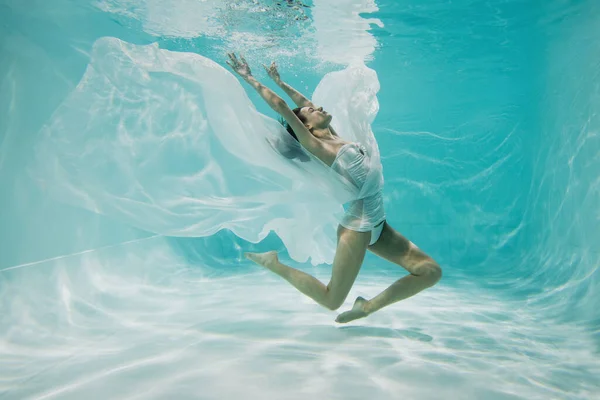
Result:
[[242, 61], [271, 68], [233, 59]]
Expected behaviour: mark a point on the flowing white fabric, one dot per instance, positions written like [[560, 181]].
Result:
[[170, 142], [363, 214]]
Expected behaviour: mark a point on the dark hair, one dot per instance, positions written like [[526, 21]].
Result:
[[293, 153], [287, 126]]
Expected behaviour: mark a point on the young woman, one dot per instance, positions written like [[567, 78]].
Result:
[[363, 226]]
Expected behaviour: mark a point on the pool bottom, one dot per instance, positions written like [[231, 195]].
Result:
[[135, 322]]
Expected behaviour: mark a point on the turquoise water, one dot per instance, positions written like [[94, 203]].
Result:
[[489, 134]]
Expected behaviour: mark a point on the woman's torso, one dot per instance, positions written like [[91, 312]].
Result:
[[353, 162], [329, 149]]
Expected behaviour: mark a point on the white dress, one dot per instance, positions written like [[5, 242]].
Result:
[[364, 213], [170, 142]]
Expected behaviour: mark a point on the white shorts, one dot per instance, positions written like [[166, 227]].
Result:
[[376, 233]]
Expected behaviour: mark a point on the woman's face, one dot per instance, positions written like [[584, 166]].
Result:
[[315, 117]]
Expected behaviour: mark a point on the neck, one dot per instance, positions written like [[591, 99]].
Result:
[[323, 133]]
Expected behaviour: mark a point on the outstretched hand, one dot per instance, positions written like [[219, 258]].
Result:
[[239, 66], [272, 71]]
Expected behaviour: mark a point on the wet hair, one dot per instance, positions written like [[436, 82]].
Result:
[[288, 127], [294, 153]]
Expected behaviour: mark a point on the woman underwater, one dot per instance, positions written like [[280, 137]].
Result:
[[363, 226]]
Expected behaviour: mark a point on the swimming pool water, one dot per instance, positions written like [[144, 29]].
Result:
[[489, 134]]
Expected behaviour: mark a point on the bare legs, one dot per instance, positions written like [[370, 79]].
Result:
[[351, 249], [424, 273], [350, 253]]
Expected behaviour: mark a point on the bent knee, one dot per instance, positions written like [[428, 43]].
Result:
[[432, 271], [335, 302]]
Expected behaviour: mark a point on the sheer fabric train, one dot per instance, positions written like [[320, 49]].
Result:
[[169, 142]]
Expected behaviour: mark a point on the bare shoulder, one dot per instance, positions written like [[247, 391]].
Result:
[[327, 150]]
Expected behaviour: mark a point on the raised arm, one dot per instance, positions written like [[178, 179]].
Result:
[[295, 95], [299, 99], [305, 138]]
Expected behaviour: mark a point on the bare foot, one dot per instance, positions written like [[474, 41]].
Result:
[[358, 311], [267, 259]]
